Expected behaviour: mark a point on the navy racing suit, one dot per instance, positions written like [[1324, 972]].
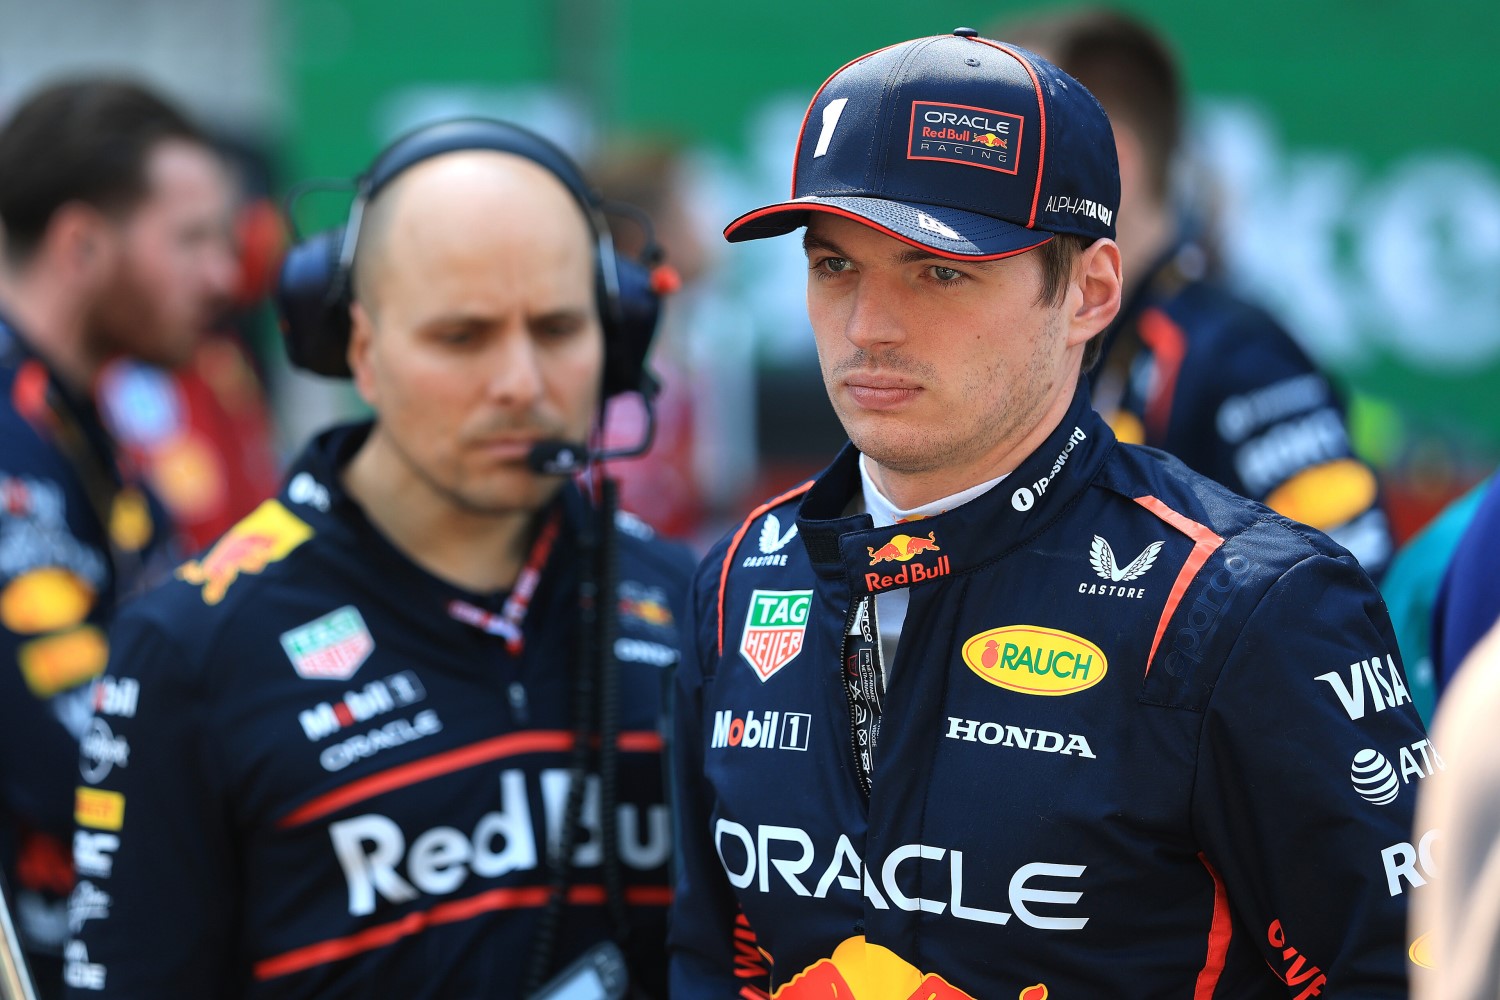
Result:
[[1141, 738], [314, 775], [79, 533], [1192, 369]]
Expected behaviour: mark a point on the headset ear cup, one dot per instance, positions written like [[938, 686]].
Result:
[[312, 296], [628, 331]]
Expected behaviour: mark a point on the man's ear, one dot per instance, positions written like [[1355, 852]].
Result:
[[1097, 288], [83, 240], [361, 331]]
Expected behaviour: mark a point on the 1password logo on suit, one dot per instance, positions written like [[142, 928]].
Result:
[[775, 625]]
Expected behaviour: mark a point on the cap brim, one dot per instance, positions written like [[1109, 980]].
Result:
[[945, 232]]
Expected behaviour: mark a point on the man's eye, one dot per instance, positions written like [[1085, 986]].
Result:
[[835, 265], [945, 274]]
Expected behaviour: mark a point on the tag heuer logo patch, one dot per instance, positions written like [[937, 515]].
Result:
[[330, 648], [774, 629]]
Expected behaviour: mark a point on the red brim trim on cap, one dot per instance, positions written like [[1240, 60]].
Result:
[[804, 206], [1041, 110]]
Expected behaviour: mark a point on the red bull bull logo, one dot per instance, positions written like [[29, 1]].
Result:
[[902, 547], [651, 612], [992, 140], [267, 535], [862, 971]]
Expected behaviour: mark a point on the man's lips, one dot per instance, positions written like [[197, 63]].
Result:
[[879, 392], [507, 448]]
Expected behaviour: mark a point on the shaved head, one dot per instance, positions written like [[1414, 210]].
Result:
[[475, 329], [464, 189]]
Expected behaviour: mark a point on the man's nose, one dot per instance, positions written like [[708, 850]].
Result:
[[876, 316], [513, 370]]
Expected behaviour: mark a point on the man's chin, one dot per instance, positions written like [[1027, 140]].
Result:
[[171, 355], [523, 491]]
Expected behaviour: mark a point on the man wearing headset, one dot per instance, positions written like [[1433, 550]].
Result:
[[344, 745]]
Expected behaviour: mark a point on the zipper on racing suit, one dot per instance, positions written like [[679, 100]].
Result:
[[863, 676]]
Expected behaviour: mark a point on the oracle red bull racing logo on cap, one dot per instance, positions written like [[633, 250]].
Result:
[[774, 629], [1032, 659], [959, 133]]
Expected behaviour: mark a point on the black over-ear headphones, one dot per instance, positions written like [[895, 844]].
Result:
[[314, 291]]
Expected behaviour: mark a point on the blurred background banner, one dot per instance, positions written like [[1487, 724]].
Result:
[[1345, 166]]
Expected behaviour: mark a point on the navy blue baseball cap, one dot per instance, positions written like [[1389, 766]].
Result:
[[969, 148]]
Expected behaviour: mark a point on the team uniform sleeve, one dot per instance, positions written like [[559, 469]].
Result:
[[1279, 434], [38, 755], [1468, 602], [155, 903], [705, 921], [51, 643], [1309, 765]]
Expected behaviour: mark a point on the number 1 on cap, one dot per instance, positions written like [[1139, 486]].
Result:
[[830, 122]]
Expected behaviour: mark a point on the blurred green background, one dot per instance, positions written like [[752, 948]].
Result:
[[1345, 155]]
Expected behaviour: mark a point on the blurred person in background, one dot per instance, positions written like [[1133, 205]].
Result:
[[116, 214], [1412, 586], [1468, 600], [201, 433], [1188, 366], [397, 732], [1456, 923]]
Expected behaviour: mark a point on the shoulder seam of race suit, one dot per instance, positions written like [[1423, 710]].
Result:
[[739, 536], [1205, 543]]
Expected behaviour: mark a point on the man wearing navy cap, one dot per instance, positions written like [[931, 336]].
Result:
[[1023, 711]]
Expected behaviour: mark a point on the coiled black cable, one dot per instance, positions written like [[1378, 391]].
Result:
[[596, 698], [586, 663]]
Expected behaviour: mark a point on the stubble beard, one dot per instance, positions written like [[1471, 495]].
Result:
[[533, 491], [898, 445]]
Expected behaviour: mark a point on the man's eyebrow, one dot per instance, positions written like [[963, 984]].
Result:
[[911, 255], [811, 242]]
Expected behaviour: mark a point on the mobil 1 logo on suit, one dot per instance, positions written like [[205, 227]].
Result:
[[768, 730]]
